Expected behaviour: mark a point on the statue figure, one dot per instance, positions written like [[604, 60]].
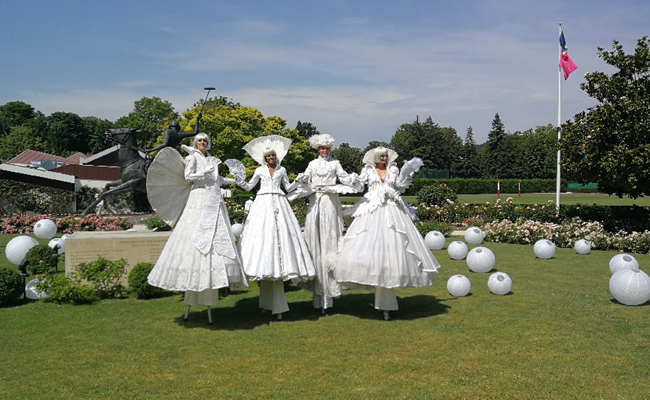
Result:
[[173, 136]]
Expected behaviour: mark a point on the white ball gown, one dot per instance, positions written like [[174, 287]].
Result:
[[382, 247], [272, 245], [201, 254]]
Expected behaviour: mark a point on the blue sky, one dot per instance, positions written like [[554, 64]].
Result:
[[355, 69]]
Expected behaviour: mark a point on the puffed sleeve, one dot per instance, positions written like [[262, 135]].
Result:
[[195, 170]]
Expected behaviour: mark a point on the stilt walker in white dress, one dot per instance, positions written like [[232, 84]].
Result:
[[324, 221], [382, 248], [272, 245], [201, 254]]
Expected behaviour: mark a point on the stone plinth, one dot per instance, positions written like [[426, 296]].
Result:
[[133, 246]]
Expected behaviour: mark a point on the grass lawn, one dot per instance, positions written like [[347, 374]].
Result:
[[558, 335]]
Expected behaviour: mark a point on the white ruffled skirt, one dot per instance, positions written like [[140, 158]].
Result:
[[383, 248], [272, 244], [182, 267]]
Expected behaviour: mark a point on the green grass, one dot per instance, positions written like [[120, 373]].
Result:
[[558, 335]]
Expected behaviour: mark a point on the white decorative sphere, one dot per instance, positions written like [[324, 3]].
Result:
[[499, 283], [544, 249], [18, 247], [622, 261], [32, 293], [457, 250], [630, 286], [480, 259], [237, 229], [45, 229], [474, 236], [582, 246], [60, 242], [435, 240], [458, 285]]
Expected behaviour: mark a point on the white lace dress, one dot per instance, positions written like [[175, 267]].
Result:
[[324, 225], [272, 244], [201, 254], [382, 247]]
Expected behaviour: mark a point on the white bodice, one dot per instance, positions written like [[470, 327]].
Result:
[[269, 184]]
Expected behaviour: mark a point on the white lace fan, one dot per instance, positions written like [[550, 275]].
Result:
[[258, 146], [236, 168], [167, 188]]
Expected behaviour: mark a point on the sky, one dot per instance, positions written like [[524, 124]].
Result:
[[355, 69]]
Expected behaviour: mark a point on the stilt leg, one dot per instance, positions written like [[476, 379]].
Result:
[[386, 316], [187, 313], [323, 310], [209, 315], [280, 317]]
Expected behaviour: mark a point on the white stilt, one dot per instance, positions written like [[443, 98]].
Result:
[[323, 310], [280, 317], [187, 313], [386, 316], [209, 315]]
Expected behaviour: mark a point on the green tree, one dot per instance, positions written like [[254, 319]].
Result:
[[151, 115], [97, 128], [231, 126], [498, 150], [15, 113], [306, 129], [19, 139], [439, 148], [349, 157], [469, 165], [610, 142], [66, 134]]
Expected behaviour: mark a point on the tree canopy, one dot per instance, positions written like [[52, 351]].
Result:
[[610, 142]]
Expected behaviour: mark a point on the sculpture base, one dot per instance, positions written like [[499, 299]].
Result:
[[133, 246]]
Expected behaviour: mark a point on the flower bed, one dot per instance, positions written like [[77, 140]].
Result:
[[24, 224], [566, 234]]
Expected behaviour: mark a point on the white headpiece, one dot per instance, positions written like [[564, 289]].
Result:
[[261, 146], [372, 156], [317, 141]]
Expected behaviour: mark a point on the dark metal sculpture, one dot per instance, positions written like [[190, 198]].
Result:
[[134, 162]]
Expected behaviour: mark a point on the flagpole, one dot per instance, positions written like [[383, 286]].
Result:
[[559, 129]]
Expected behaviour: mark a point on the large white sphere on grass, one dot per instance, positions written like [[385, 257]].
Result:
[[18, 247], [237, 229], [60, 242], [457, 250], [499, 283], [582, 246], [32, 293], [435, 240], [630, 286], [474, 236], [544, 249], [45, 229], [480, 259], [622, 261], [458, 285]]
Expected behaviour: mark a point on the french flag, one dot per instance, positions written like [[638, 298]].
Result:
[[566, 63]]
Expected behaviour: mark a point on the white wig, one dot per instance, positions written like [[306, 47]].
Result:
[[202, 136], [373, 156]]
